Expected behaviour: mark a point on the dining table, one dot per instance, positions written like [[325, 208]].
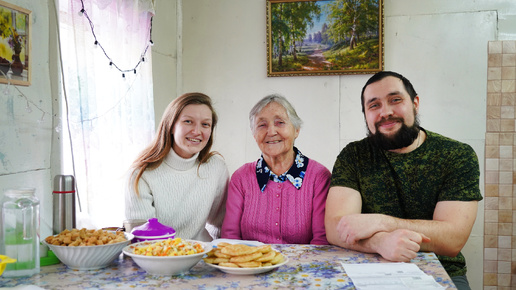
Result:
[[308, 267]]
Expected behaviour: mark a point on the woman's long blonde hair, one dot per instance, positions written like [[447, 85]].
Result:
[[152, 156]]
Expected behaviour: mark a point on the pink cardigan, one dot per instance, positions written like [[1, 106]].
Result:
[[281, 214]]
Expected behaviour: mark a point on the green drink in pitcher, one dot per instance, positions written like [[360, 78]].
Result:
[[20, 232]]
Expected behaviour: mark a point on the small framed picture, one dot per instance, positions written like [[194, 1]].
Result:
[[324, 37], [15, 45]]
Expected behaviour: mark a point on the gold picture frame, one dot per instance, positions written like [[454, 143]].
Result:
[[15, 44], [324, 37]]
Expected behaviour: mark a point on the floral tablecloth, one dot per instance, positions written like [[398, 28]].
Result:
[[309, 266]]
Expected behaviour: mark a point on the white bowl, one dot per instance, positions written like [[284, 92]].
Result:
[[169, 265], [89, 257]]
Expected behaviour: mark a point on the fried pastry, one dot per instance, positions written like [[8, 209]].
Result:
[[267, 257], [277, 259], [250, 264], [245, 258], [238, 250], [219, 254], [228, 264]]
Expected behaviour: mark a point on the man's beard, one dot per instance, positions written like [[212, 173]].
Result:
[[401, 139]]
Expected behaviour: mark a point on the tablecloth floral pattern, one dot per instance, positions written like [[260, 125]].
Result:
[[309, 266]]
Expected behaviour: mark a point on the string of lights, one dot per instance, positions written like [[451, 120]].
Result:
[[30, 103], [84, 13]]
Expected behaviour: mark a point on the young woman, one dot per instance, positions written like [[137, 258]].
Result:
[[177, 179]]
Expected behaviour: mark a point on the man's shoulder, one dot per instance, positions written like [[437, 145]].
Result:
[[357, 145], [445, 142], [357, 148], [436, 136], [455, 151]]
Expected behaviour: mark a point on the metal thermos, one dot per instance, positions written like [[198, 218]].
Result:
[[64, 203]]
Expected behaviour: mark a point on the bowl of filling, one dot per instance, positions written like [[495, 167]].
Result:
[[167, 257]]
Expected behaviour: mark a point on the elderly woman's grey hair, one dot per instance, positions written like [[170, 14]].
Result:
[[291, 112]]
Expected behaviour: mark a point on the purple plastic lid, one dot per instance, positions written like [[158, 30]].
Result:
[[153, 228]]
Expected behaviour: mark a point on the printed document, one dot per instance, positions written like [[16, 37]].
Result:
[[398, 276]]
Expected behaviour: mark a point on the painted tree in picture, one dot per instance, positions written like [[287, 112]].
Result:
[[325, 35]]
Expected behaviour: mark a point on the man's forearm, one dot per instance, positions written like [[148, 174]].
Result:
[[443, 235], [366, 245], [432, 229]]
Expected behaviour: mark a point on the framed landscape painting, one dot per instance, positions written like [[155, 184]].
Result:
[[15, 46], [324, 37]]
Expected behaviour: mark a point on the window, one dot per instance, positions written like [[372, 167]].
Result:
[[106, 118]]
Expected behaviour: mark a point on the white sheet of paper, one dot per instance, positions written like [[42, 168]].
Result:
[[371, 276]]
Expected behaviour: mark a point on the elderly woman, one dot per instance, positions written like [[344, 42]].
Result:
[[280, 198]]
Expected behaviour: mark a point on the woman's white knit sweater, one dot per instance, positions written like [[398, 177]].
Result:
[[178, 196]]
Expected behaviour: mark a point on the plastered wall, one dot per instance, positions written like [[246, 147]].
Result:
[[26, 120]]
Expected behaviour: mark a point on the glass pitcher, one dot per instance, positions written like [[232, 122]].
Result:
[[20, 232]]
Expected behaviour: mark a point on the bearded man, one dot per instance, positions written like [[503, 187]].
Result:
[[403, 189]]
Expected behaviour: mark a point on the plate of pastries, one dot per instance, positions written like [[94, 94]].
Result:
[[244, 258]]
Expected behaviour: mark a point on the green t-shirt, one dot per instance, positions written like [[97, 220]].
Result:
[[408, 186]]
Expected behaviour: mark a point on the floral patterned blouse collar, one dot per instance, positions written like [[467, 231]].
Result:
[[295, 174]]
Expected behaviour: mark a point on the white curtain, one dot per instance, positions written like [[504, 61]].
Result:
[[109, 118]]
